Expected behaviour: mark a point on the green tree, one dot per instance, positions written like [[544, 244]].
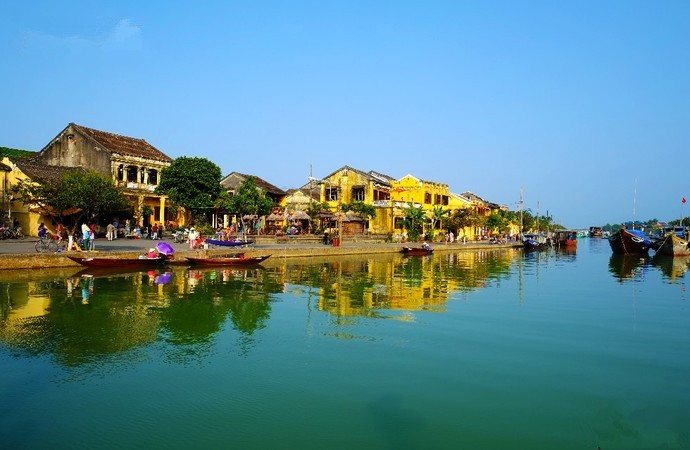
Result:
[[248, 200], [193, 183], [438, 215], [496, 222], [315, 208], [465, 218], [90, 194], [414, 222]]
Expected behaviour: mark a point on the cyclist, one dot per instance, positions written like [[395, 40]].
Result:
[[42, 231]]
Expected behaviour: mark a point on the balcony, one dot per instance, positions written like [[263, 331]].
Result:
[[381, 203], [406, 205]]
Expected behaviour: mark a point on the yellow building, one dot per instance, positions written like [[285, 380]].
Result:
[[412, 191], [347, 185]]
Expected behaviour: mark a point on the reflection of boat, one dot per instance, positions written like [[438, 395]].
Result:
[[118, 262], [595, 232], [623, 266], [104, 271], [566, 238], [417, 250], [671, 267], [534, 241], [629, 242], [228, 243], [228, 261], [672, 245]]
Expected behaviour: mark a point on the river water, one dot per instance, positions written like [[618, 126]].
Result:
[[485, 349]]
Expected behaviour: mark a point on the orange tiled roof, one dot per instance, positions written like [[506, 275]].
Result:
[[123, 145]]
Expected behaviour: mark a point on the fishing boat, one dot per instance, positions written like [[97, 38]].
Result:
[[412, 251], [566, 238], [228, 260], [533, 241], [672, 245], [629, 242], [595, 232], [118, 262], [228, 243]]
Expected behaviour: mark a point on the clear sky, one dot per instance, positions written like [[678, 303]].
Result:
[[579, 103]]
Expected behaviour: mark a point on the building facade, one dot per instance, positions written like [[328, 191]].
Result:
[[134, 165]]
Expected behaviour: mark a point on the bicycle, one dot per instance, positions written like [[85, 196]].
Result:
[[46, 244]]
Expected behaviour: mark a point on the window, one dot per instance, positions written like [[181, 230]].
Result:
[[399, 223], [427, 198], [358, 194], [437, 199], [153, 176], [331, 194], [132, 174], [444, 200], [120, 173]]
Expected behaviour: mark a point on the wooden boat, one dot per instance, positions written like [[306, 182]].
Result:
[[629, 242], [672, 245], [595, 232], [566, 238], [411, 251], [534, 241], [228, 260], [118, 262], [228, 243]]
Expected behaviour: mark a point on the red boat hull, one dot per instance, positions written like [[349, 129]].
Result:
[[115, 262], [416, 251], [625, 243]]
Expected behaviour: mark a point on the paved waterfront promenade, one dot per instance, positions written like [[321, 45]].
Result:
[[22, 254]]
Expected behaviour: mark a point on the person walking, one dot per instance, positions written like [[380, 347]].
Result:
[[192, 238]]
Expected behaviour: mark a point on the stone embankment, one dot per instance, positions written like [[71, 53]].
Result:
[[34, 261]]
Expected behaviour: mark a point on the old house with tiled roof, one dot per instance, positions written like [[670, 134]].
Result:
[[234, 180], [134, 164]]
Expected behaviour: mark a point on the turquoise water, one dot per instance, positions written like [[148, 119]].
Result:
[[493, 349]]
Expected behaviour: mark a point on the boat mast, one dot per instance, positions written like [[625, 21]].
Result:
[[634, 203]]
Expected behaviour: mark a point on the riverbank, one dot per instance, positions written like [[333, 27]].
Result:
[[22, 260]]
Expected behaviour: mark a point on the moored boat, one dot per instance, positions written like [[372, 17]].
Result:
[[228, 243], [228, 260], [417, 250], [672, 245], [117, 262], [566, 238], [595, 232], [534, 241], [629, 242]]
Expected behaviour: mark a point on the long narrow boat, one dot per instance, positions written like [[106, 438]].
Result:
[[417, 251], [228, 243], [629, 242], [117, 262], [228, 261], [672, 245]]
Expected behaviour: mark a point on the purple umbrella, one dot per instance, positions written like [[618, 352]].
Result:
[[165, 248], [163, 278]]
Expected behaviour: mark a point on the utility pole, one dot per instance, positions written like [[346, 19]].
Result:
[[521, 222]]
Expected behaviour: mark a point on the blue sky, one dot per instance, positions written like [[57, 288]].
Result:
[[579, 103]]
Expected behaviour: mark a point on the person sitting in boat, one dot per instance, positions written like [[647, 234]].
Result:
[[152, 253], [426, 246]]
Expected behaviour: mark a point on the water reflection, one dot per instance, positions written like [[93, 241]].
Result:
[[671, 267], [104, 311], [628, 267]]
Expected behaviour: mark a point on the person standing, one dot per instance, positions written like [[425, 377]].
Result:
[[85, 232], [192, 238], [92, 236], [110, 232]]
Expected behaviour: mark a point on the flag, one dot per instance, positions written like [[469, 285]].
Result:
[[683, 201]]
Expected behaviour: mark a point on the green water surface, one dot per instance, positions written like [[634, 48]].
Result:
[[487, 349]]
